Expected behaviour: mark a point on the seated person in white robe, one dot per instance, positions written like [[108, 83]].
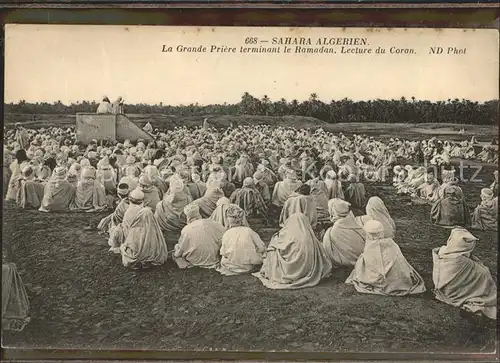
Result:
[[16, 168], [118, 233], [460, 279], [208, 202], [283, 189], [262, 187], [494, 185], [144, 245], [345, 240], [200, 241], [30, 193], [196, 187], [131, 177], [90, 193], [106, 176], [249, 199], [318, 193], [382, 269], [425, 192], [268, 176], [451, 210], [105, 106], [153, 174], [355, 192], [485, 215], [58, 193], [295, 258], [300, 202], [376, 210], [151, 193], [170, 211], [220, 213], [116, 217], [242, 170], [242, 249], [334, 186]]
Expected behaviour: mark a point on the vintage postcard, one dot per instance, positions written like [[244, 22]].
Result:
[[250, 189]]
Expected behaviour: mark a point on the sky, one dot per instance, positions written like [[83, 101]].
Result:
[[80, 62]]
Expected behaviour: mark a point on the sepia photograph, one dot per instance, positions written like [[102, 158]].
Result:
[[250, 189]]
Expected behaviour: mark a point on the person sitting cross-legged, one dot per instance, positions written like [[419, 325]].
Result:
[[382, 269], [200, 241], [242, 249]]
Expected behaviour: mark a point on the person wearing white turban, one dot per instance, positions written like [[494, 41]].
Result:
[[382, 269], [295, 258], [242, 249], [485, 216], [460, 279], [200, 241], [345, 240]]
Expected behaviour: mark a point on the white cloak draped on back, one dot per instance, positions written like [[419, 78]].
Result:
[[118, 234], [199, 244], [90, 196], [30, 194], [344, 241], [376, 209], [297, 203], [460, 279], [295, 258], [382, 269], [57, 196], [115, 218], [144, 244], [208, 202], [241, 251], [282, 190], [220, 215], [169, 212]]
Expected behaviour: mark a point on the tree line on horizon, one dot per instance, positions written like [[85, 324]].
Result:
[[336, 111]]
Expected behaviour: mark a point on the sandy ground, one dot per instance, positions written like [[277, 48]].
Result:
[[82, 297]]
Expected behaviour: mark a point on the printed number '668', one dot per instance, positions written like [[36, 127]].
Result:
[[250, 40]]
